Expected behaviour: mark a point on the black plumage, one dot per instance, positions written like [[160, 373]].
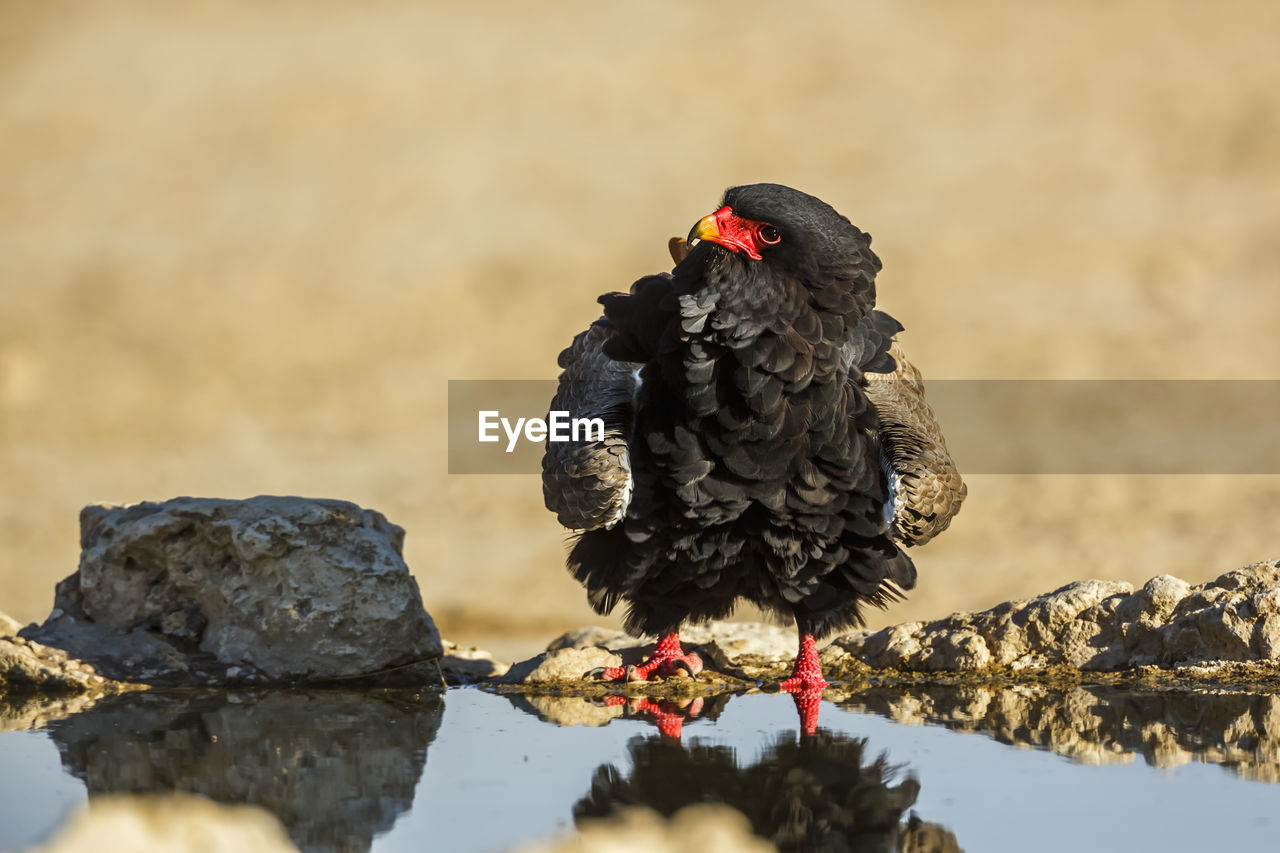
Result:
[[823, 792], [754, 466]]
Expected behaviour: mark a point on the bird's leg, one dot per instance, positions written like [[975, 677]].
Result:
[[806, 683], [668, 658]]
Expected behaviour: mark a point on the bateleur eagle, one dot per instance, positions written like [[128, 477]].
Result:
[[765, 437]]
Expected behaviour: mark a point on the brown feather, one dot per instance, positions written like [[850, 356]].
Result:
[[930, 489]]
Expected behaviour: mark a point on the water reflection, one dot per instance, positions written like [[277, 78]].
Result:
[[1100, 724], [819, 792], [337, 768], [340, 768], [668, 715]]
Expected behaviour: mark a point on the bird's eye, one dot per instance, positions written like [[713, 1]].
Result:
[[768, 234]]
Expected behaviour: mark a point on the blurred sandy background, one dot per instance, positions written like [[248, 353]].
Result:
[[243, 246]]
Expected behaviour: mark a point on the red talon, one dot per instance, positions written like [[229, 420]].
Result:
[[668, 658], [806, 684]]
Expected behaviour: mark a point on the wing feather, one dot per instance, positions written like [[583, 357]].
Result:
[[588, 483], [926, 487]]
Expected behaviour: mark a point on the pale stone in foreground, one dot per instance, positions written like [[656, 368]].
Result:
[[701, 828], [176, 823]]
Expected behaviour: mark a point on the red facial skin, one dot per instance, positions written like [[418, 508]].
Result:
[[737, 234]]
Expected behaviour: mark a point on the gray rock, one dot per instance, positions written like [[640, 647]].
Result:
[[272, 589], [175, 823], [1095, 625]]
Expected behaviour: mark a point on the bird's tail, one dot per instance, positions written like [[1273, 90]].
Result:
[[596, 561]]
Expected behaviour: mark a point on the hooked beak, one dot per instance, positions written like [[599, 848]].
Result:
[[706, 229], [727, 229]]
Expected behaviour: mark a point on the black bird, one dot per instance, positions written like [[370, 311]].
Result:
[[761, 442], [824, 792]]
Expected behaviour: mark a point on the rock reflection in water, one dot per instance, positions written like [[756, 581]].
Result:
[[1101, 724], [336, 768], [806, 793]]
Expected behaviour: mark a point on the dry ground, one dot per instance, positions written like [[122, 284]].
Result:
[[245, 245]]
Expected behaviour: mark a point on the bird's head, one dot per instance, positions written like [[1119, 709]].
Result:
[[773, 232], [777, 224]]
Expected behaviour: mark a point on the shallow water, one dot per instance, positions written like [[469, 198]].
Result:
[[984, 769]]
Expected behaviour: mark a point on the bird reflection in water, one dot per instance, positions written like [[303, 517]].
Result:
[[670, 715], [816, 792]]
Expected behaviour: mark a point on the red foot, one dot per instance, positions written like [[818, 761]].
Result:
[[667, 715], [808, 700], [806, 684], [668, 658]]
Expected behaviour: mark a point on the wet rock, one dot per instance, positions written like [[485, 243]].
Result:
[[1097, 626], [272, 589], [701, 828], [561, 665], [1098, 724], [329, 764], [30, 667], [176, 823]]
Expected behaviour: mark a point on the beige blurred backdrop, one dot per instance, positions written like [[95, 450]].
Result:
[[243, 247]]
